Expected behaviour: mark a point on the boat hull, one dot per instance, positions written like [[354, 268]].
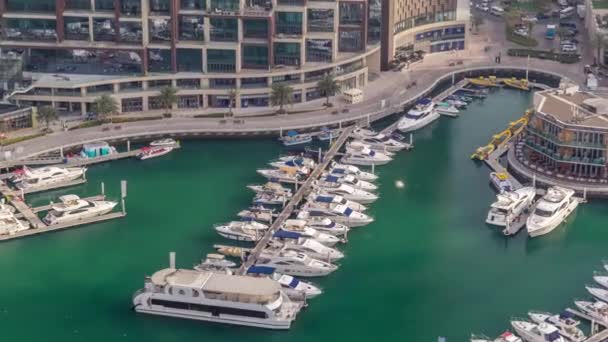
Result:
[[553, 224], [408, 125], [84, 216]]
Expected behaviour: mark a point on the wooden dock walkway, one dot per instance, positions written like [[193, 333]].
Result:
[[295, 200], [21, 207]]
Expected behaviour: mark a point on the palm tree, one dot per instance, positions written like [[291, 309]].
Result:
[[328, 86], [281, 95], [167, 98], [105, 105], [47, 114], [232, 96]]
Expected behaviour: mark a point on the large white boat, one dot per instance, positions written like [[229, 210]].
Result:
[[421, 115], [342, 214], [565, 322], [383, 142], [323, 224], [507, 336], [275, 188], [294, 161], [287, 241], [291, 286], [344, 169], [216, 297], [362, 133], [510, 205], [283, 175], [597, 310], [356, 146], [551, 210], [249, 231], [601, 279], [348, 192], [532, 332], [153, 152], [163, 142], [447, 108], [349, 180], [257, 213], [9, 224], [271, 198], [599, 293], [72, 208], [366, 157], [30, 179], [325, 201], [296, 264], [301, 227]]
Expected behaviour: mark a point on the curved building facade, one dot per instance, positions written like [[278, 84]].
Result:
[[76, 50]]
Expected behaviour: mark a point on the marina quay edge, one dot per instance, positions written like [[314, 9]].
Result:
[[304, 170]]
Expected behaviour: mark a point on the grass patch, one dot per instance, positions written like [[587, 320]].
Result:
[[600, 4], [566, 58], [20, 139], [520, 40]]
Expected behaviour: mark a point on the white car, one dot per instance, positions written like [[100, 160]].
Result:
[[568, 48], [529, 19], [521, 32], [484, 8]]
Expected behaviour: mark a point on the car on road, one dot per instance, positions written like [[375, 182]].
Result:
[[483, 8], [568, 48], [529, 19], [521, 32]]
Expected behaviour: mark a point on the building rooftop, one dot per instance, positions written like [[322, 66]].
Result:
[[577, 108], [216, 282]]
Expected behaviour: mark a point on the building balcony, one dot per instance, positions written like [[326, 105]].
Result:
[[554, 155], [556, 140], [77, 35], [289, 29]]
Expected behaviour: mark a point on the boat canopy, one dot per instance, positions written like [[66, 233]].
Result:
[[261, 270], [294, 162], [247, 219], [292, 133], [566, 314], [331, 179], [282, 234], [324, 199], [424, 101], [293, 283], [338, 171]]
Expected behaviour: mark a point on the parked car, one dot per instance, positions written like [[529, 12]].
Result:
[[541, 16], [529, 19], [521, 32], [568, 48]]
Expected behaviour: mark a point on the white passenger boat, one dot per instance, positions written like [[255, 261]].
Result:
[[215, 262], [564, 322], [342, 214], [532, 332], [301, 227], [326, 201], [216, 297], [294, 161], [366, 157], [291, 286], [323, 224], [268, 198], [344, 169], [283, 175], [362, 133], [9, 224], [351, 180], [500, 181], [507, 336], [30, 179], [510, 205], [597, 292], [287, 240], [551, 210], [163, 142], [597, 310], [249, 231], [346, 191], [257, 213], [153, 152], [295, 264], [382, 142], [421, 115], [271, 187], [294, 138], [357, 146], [72, 208]]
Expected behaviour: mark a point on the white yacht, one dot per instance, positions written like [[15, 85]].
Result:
[[510, 205], [532, 332], [272, 187], [325, 201], [257, 213], [29, 179], [601, 279], [551, 210], [323, 224], [421, 115], [153, 152], [564, 322], [287, 240], [291, 286], [444, 107], [599, 293], [362, 133], [216, 297], [301, 227], [250, 231], [383, 142], [163, 142], [215, 262], [72, 208], [9, 224], [342, 214], [597, 310], [296, 264], [357, 146], [507, 336], [366, 157], [344, 169], [348, 180], [294, 161], [271, 198], [283, 175], [348, 192]]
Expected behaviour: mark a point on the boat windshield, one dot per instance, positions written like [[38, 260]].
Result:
[[543, 213], [348, 211], [552, 336]]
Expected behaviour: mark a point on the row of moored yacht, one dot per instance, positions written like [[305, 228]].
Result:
[[270, 293]]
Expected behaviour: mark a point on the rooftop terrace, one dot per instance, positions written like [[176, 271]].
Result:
[[578, 108]]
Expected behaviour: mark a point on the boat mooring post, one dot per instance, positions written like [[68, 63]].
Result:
[[340, 124], [128, 145], [172, 260], [453, 79], [61, 152], [280, 131], [585, 194], [368, 120], [296, 185], [103, 189], [411, 139], [123, 194], [373, 168], [320, 156], [534, 181]]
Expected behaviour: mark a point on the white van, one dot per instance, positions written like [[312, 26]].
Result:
[[498, 11]]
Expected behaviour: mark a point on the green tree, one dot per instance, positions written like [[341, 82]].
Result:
[[232, 96], [105, 106], [281, 95], [47, 114], [167, 98], [328, 87]]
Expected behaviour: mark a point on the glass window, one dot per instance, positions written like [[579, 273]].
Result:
[[291, 2], [193, 4], [190, 60], [160, 30], [190, 83], [104, 30], [254, 82], [224, 5], [289, 23], [132, 105], [160, 7], [255, 56], [188, 101], [130, 7], [320, 20], [191, 28], [131, 32], [159, 60], [352, 13], [350, 41], [30, 5], [221, 60], [287, 53], [374, 22], [30, 29], [104, 5], [222, 83], [223, 29], [78, 5], [255, 28], [318, 50], [76, 28]]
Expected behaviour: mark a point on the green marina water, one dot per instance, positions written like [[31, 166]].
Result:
[[428, 266]]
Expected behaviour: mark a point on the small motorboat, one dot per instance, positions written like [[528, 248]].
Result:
[[532, 332], [215, 262], [511, 206], [507, 336], [291, 286], [257, 213], [355, 146], [249, 231], [297, 162], [444, 107], [284, 175], [332, 181], [345, 169], [366, 157], [317, 200], [362, 133], [601, 279], [551, 211], [153, 152], [500, 181], [269, 198], [294, 138], [163, 142], [323, 224]]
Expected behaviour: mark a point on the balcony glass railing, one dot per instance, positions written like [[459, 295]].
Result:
[[554, 155], [557, 141], [289, 29]]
